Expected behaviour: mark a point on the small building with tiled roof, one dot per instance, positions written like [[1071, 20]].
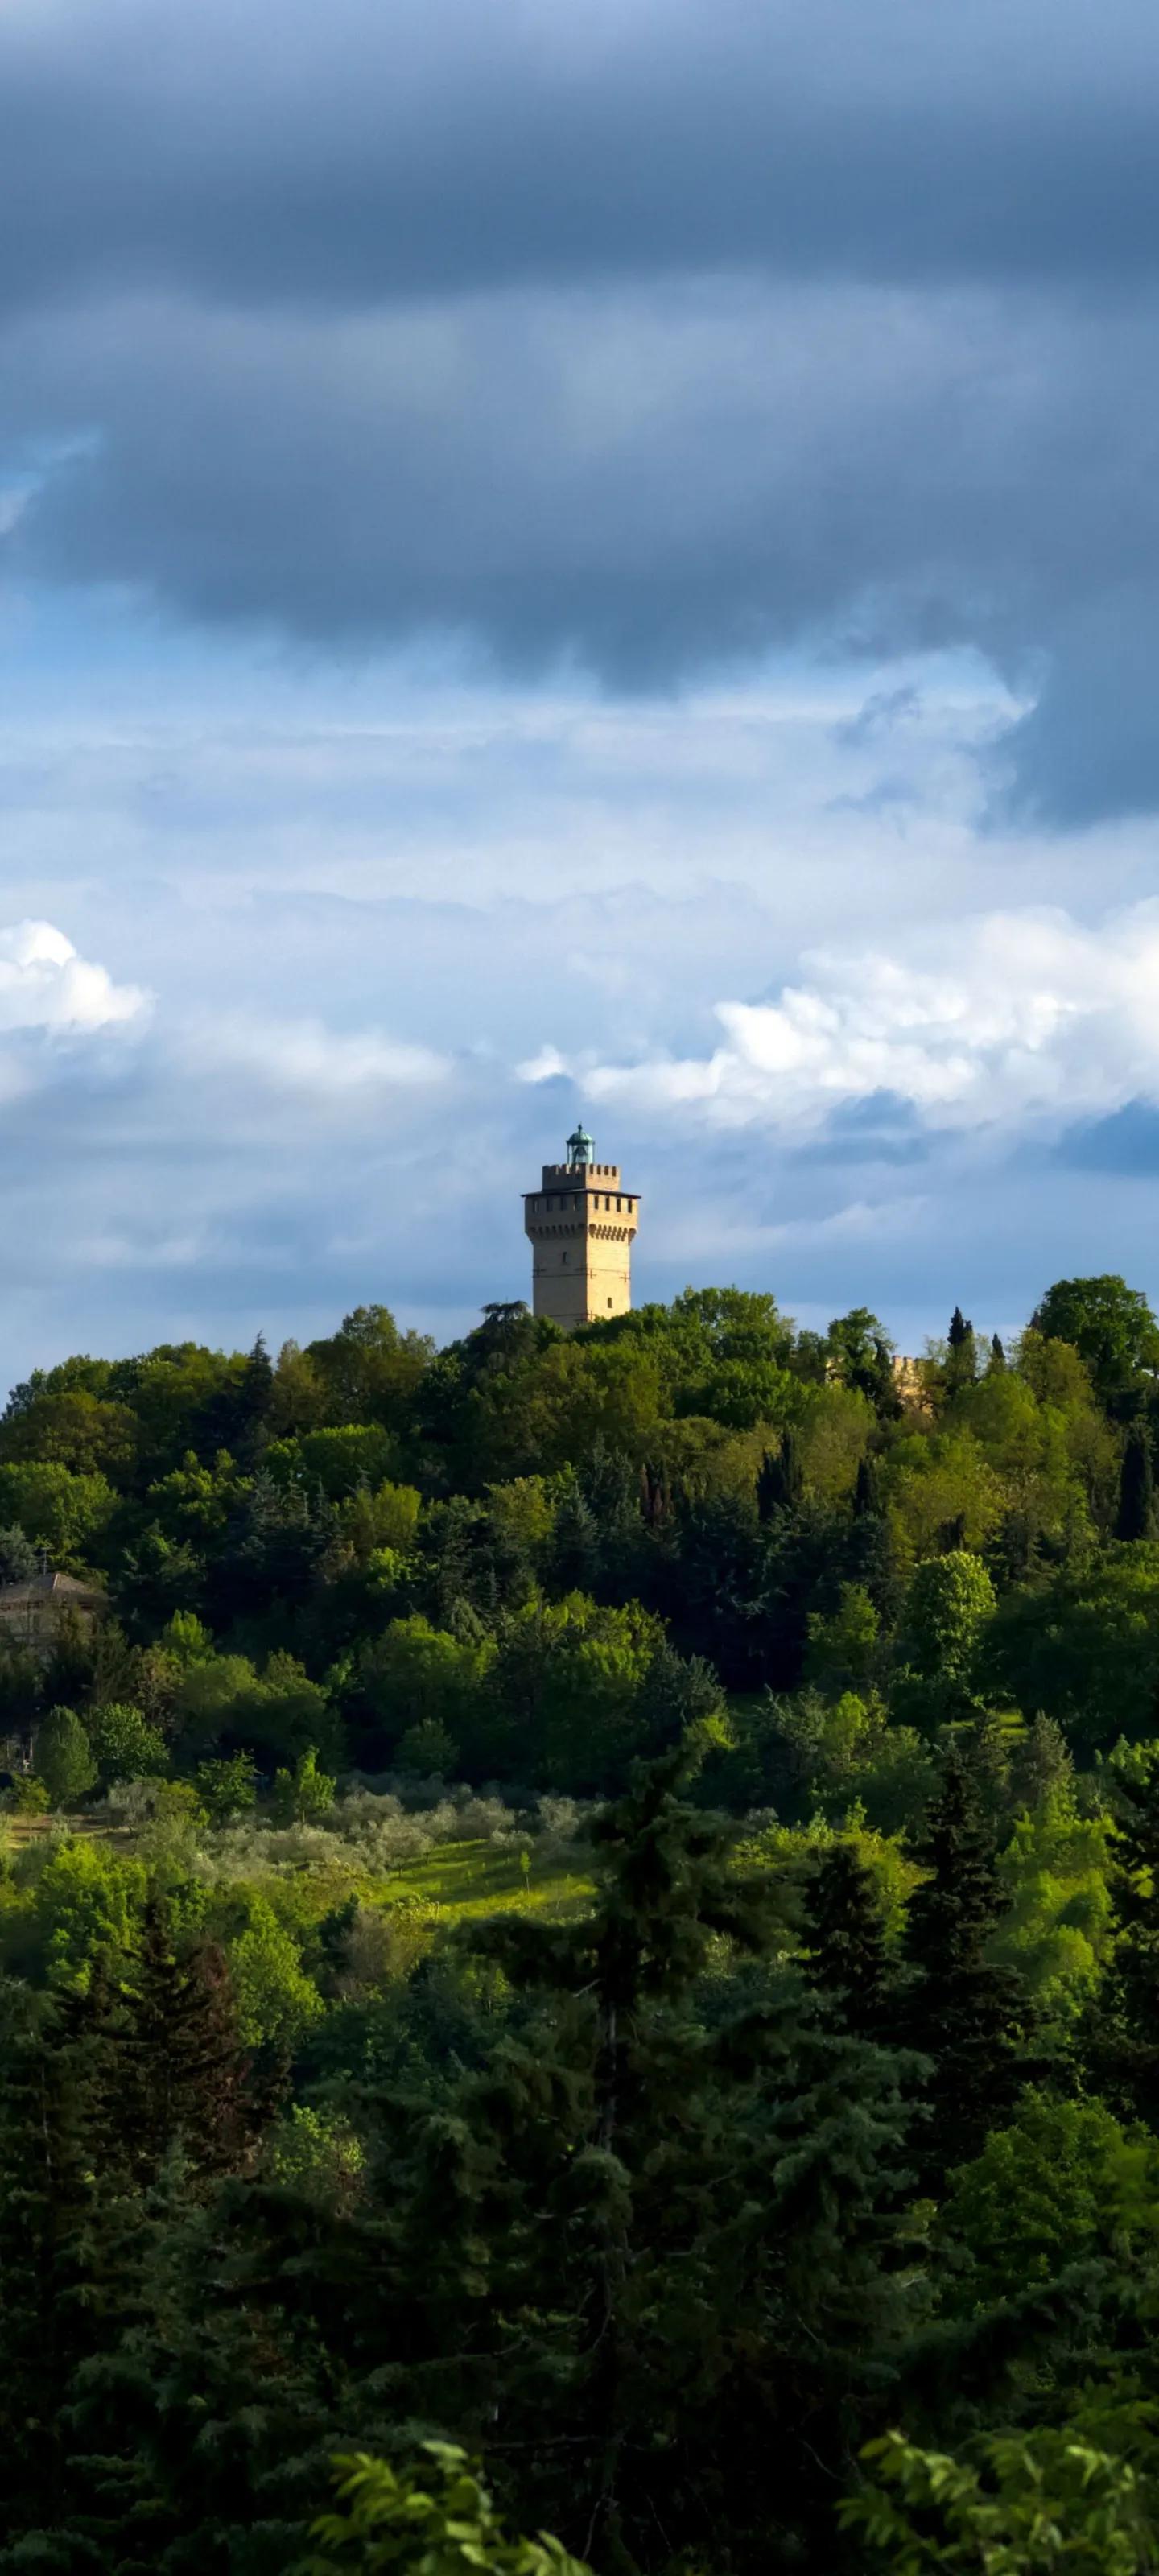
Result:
[[31, 1611]]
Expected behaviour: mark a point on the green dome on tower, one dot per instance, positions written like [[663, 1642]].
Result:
[[580, 1148]]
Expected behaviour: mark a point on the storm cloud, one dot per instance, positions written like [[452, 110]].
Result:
[[644, 341]]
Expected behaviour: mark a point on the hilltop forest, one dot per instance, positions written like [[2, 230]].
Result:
[[579, 1950]]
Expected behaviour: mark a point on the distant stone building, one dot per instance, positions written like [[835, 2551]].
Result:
[[910, 1386], [31, 1611], [582, 1224]]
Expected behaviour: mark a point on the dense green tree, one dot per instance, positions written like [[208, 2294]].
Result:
[[20, 1561], [1082, 1647], [1062, 2181], [123, 1743], [949, 1601], [65, 1514], [1110, 1325], [64, 1757], [305, 1794], [368, 1368]]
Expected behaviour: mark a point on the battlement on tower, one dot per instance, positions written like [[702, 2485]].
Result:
[[579, 1176]]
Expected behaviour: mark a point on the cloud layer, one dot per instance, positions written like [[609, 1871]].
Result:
[[644, 342], [999, 1023]]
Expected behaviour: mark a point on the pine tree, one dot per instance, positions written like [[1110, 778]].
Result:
[[1136, 1514], [576, 1543], [964, 2014], [1121, 2029], [846, 1957], [1041, 1765], [54, 2285], [997, 1353], [181, 2073]]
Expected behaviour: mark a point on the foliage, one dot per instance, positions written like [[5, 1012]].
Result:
[[64, 1757], [124, 1745], [436, 2519], [620, 1939], [305, 1794], [1027, 2504], [276, 2000], [1110, 1325], [1062, 2179]]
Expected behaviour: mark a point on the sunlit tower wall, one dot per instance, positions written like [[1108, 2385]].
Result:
[[582, 1224]]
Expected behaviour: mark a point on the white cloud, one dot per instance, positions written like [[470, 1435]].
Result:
[[1003, 1020], [305, 1056], [45, 985], [542, 1067]]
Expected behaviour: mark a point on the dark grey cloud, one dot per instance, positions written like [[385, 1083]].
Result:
[[649, 481], [648, 336], [358, 152], [1126, 1144]]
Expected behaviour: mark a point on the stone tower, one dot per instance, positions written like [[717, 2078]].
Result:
[[581, 1222]]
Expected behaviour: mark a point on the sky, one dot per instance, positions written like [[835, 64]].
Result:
[[565, 563]]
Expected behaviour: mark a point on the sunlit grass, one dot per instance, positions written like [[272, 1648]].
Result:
[[486, 1878]]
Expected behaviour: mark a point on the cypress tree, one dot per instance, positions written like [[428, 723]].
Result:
[[865, 1492], [1136, 1514], [961, 1354], [781, 1478]]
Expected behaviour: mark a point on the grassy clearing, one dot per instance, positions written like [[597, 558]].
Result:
[[475, 1878]]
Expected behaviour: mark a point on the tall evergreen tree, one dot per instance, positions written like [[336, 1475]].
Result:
[[181, 2075], [1121, 2027], [865, 1489], [961, 1354], [781, 1479], [964, 2014], [846, 1957], [1135, 1518], [55, 2289]]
